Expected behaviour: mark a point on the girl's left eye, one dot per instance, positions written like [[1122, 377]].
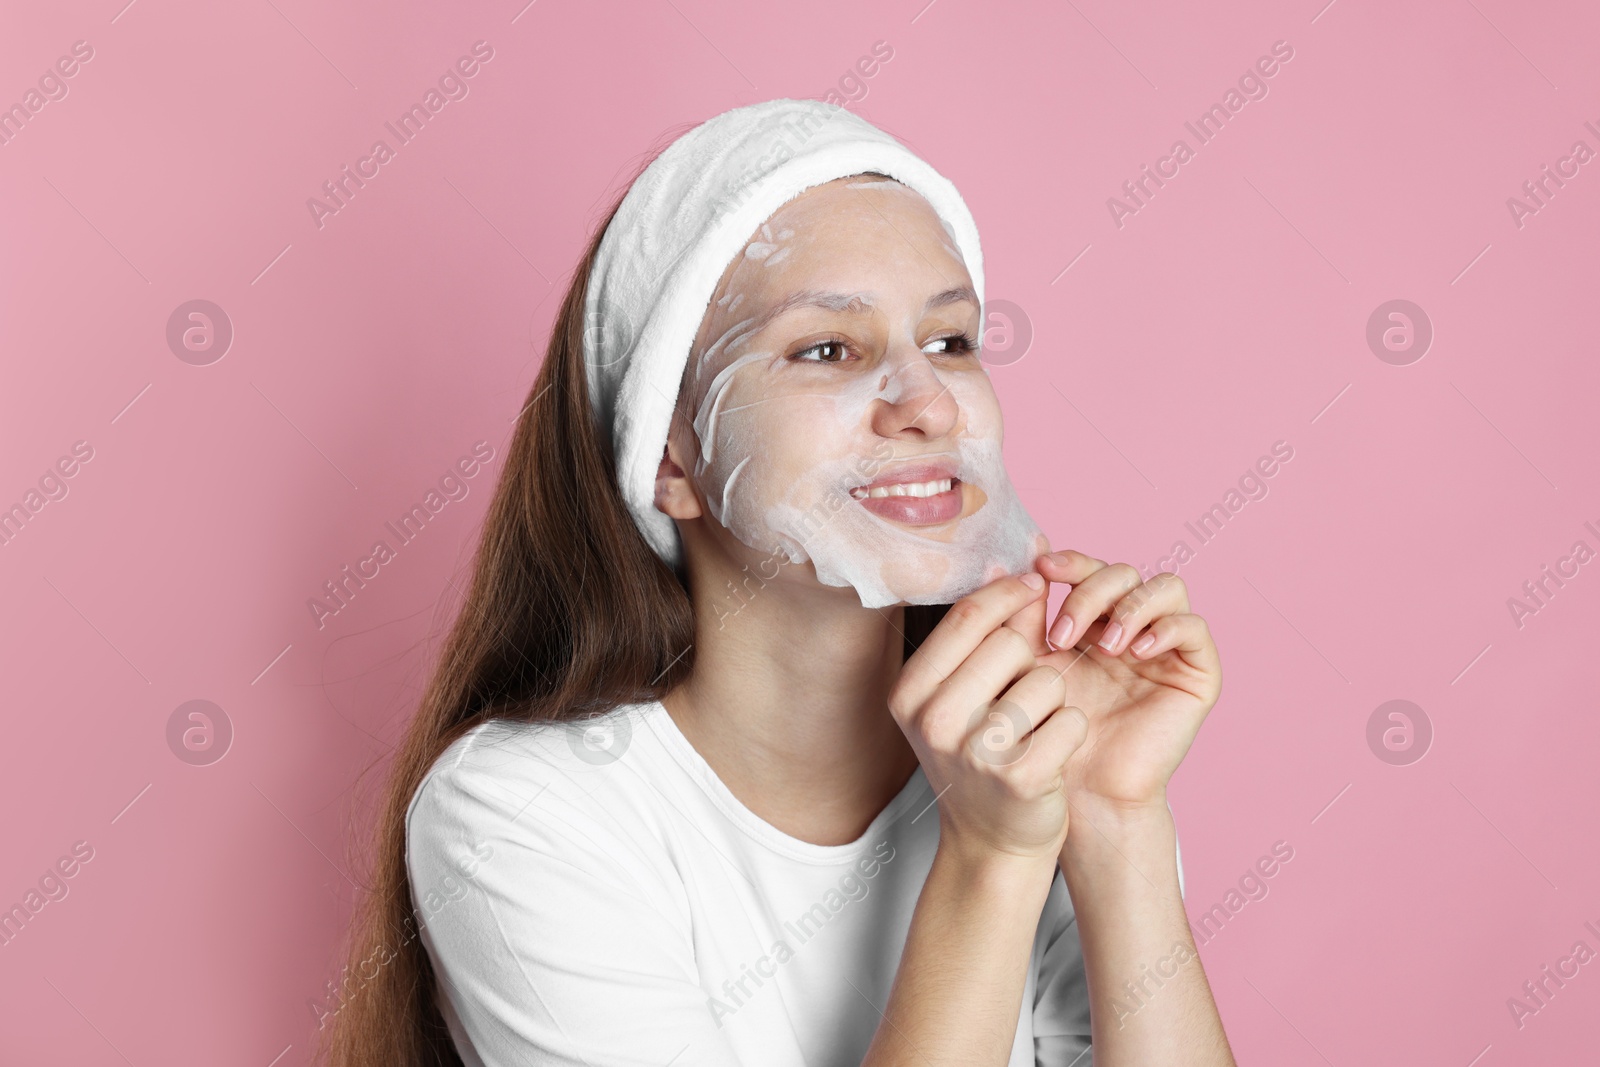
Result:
[[960, 344]]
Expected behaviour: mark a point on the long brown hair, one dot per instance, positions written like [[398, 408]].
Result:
[[569, 613]]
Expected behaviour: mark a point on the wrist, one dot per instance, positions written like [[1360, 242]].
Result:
[[1099, 828], [994, 873], [1118, 818]]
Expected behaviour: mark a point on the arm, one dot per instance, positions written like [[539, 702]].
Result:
[[987, 723], [1149, 999], [958, 993], [1146, 672]]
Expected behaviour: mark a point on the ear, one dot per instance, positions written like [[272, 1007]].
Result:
[[675, 494]]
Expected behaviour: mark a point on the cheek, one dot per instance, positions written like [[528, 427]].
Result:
[[787, 445], [979, 405], [783, 447]]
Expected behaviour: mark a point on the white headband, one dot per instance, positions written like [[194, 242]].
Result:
[[680, 225]]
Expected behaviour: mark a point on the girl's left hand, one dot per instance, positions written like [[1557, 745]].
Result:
[[1143, 669]]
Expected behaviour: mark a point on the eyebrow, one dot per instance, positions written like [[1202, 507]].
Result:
[[851, 303]]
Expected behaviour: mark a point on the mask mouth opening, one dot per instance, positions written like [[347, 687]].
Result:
[[907, 487], [919, 476], [914, 499]]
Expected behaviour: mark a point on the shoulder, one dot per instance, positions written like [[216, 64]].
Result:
[[494, 756], [579, 791], [499, 767], [539, 874]]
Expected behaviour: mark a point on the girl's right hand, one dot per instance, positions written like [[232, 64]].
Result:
[[986, 721]]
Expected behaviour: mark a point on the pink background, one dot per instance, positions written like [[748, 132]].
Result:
[[1229, 313]]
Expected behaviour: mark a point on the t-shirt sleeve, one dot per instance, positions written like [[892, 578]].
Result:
[[552, 937], [1061, 996], [1177, 848], [1061, 1025]]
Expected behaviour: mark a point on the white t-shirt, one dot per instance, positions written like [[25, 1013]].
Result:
[[592, 895]]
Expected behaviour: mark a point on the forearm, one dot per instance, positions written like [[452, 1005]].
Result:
[[958, 994], [1149, 998]]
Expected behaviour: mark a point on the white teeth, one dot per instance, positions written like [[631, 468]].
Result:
[[944, 485]]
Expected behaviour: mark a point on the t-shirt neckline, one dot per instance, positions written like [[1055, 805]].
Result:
[[689, 758]]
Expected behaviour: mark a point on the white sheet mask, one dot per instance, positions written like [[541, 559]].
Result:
[[783, 442]]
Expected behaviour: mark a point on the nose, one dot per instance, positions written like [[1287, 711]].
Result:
[[915, 400]]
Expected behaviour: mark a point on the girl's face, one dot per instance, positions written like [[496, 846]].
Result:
[[839, 410]]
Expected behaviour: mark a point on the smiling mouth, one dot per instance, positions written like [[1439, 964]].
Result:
[[914, 489], [914, 497]]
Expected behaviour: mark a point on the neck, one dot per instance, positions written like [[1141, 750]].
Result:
[[788, 703]]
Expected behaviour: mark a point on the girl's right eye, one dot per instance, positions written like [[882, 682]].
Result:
[[831, 350]]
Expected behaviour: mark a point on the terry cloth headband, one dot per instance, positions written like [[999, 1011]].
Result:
[[677, 229]]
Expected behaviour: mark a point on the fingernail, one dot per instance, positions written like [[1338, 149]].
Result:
[[1143, 644], [1113, 634], [1061, 631], [1059, 557], [1033, 581]]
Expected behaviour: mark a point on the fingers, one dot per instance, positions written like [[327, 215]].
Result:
[[964, 627], [1129, 605], [1164, 594], [1029, 622], [1049, 748], [999, 732], [1015, 735], [1003, 658], [1069, 566], [1092, 596], [1188, 635]]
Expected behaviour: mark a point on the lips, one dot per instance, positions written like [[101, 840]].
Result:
[[917, 494]]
